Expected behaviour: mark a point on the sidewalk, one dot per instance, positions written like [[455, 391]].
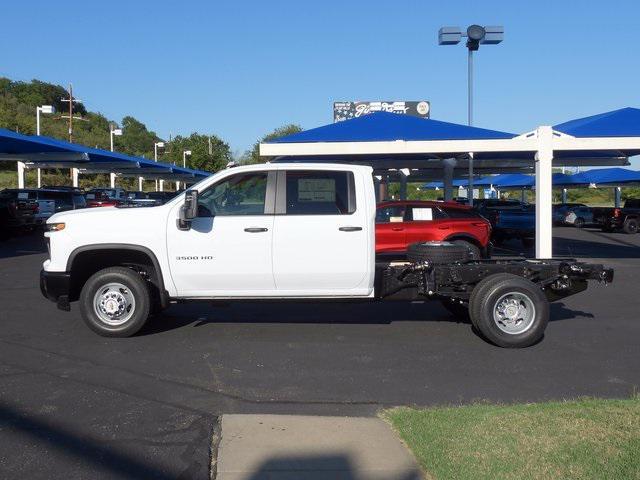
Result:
[[283, 447]]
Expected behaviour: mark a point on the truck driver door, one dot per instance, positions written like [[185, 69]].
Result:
[[227, 251]]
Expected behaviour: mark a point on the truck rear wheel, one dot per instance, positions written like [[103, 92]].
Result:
[[437, 252], [115, 302], [509, 311]]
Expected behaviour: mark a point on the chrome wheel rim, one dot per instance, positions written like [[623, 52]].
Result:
[[114, 304], [514, 313]]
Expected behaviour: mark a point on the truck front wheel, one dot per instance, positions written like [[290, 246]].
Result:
[[509, 311], [115, 302]]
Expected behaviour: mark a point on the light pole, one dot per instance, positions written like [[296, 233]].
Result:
[[156, 146], [475, 36], [185, 154], [117, 132], [39, 110]]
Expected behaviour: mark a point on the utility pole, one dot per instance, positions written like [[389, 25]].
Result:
[[71, 101]]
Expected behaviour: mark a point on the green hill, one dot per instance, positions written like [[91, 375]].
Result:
[[18, 102]]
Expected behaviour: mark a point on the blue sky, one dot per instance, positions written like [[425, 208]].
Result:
[[238, 69]]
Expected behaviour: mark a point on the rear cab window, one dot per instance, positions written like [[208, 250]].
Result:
[[317, 192]]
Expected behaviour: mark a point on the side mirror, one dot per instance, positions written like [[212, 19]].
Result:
[[189, 210]]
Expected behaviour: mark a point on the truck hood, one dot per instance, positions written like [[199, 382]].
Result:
[[104, 214]]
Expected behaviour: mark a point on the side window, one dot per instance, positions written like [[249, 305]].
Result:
[[320, 193], [390, 214], [419, 213], [460, 213], [242, 194]]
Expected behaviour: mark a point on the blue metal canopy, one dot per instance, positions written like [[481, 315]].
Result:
[[41, 150], [624, 122], [385, 126], [597, 176], [606, 176]]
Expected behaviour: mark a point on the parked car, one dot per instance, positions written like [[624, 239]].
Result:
[[626, 218], [161, 197], [139, 199], [559, 211], [99, 199], [579, 216], [285, 232], [509, 219], [51, 200], [401, 223], [117, 194], [17, 212]]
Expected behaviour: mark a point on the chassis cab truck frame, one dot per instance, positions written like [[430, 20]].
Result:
[[283, 232]]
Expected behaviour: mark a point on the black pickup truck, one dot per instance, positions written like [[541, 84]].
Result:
[[626, 218], [16, 213]]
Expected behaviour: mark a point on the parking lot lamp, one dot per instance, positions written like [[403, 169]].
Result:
[[39, 110], [156, 146], [117, 132], [476, 35]]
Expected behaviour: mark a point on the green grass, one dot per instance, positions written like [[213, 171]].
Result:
[[583, 439]]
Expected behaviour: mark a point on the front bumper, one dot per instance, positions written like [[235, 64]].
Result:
[[56, 287]]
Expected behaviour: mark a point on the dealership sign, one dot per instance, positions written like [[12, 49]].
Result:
[[347, 110]]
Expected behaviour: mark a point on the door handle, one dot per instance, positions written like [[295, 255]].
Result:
[[256, 229], [397, 229], [443, 228], [350, 229]]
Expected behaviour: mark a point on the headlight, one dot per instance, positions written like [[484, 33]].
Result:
[[54, 227]]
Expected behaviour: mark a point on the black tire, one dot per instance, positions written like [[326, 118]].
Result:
[[578, 222], [631, 226], [135, 287], [457, 309], [528, 242], [474, 250], [437, 252], [490, 292]]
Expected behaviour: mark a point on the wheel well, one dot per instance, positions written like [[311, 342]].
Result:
[[466, 238], [88, 261]]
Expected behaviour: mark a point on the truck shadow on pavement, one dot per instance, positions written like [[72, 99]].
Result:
[[376, 313]]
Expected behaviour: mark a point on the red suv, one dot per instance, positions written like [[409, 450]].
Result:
[[401, 223]]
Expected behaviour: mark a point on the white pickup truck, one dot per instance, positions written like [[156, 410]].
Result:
[[284, 231]]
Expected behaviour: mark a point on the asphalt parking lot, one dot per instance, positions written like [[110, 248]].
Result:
[[76, 405]]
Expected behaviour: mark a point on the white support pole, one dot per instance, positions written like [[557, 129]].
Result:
[[112, 180], [403, 186], [544, 164], [161, 185], [140, 183], [20, 175], [564, 195], [74, 177], [177, 186], [39, 179]]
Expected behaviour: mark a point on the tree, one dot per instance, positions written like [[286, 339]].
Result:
[[208, 152], [253, 156]]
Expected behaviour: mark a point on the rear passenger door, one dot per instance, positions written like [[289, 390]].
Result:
[[321, 235]]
